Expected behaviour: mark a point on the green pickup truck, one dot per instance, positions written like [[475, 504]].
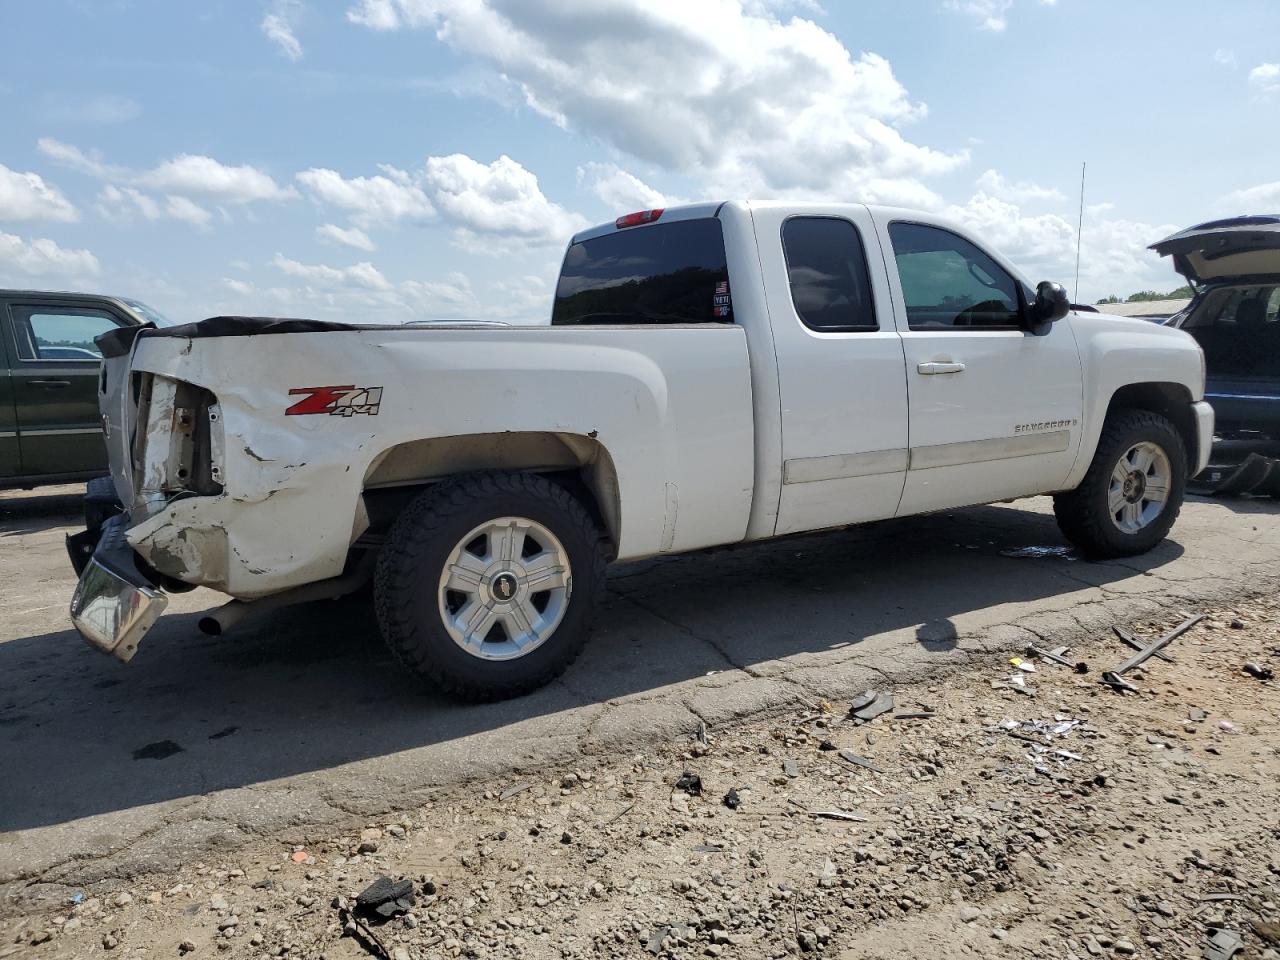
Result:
[[50, 430]]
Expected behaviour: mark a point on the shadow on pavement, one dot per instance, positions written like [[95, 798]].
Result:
[[28, 511], [310, 688]]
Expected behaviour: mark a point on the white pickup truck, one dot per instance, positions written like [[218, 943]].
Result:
[[712, 374]]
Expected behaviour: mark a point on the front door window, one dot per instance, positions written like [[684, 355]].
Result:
[[949, 283]]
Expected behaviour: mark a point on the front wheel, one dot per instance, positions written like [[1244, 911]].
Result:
[[1131, 495], [488, 584]]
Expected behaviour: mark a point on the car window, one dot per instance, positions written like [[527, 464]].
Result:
[[948, 282], [1230, 306], [827, 269], [60, 333], [665, 273]]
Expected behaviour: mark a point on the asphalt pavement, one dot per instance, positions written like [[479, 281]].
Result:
[[301, 719]]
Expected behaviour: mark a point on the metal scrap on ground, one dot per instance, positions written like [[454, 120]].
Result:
[[870, 705]]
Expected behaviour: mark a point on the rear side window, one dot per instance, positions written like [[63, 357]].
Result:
[[664, 273], [827, 267]]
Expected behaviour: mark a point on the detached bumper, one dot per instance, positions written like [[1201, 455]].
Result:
[[115, 604], [1204, 430]]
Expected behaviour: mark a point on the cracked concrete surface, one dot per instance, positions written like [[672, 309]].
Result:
[[302, 720]]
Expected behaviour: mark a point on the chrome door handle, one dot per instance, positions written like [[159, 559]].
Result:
[[50, 384], [935, 367]]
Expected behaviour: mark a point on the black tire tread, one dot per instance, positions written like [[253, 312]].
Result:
[[1085, 526], [402, 556]]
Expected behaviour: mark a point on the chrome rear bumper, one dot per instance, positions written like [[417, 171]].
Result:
[[115, 604]]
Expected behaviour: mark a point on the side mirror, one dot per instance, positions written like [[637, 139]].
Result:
[[1051, 305]]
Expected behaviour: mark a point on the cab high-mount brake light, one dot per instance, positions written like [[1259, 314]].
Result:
[[636, 219]]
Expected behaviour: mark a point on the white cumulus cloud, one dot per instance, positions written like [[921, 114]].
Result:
[[500, 198], [41, 258], [383, 198], [1113, 259], [124, 204], [1263, 198], [279, 25], [720, 89], [73, 158], [993, 183], [192, 173], [362, 275], [620, 190], [348, 236], [186, 210], [1265, 78], [28, 196], [988, 14]]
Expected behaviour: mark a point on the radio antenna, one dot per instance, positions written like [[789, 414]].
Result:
[[1079, 233]]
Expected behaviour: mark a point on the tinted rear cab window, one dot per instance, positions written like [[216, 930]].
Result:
[[827, 268], [663, 273]]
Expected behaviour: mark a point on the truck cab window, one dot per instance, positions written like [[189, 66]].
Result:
[[664, 273], [827, 269], [948, 282], [60, 333]]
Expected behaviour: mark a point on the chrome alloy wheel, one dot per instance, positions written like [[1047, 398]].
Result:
[[505, 588], [1139, 487]]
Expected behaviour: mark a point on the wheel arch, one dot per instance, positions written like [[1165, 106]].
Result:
[[1170, 400], [579, 462]]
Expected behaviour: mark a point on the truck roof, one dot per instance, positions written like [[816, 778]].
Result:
[[711, 208], [695, 211]]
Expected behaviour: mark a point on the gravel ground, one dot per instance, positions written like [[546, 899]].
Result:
[[1067, 821]]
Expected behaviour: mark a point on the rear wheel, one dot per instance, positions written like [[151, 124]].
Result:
[[1132, 493], [488, 584]]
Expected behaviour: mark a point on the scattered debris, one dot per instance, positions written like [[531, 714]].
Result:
[[1156, 646], [829, 814], [386, 897], [850, 757], [510, 792], [1223, 945], [1034, 651], [1117, 682], [1258, 672], [989, 800], [870, 705], [690, 783], [1016, 684], [360, 931], [1129, 640]]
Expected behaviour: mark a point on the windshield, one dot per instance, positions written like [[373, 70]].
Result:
[[146, 313]]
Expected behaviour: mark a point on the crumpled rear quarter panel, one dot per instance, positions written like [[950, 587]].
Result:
[[671, 405]]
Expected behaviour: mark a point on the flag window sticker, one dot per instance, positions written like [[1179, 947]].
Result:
[[721, 305]]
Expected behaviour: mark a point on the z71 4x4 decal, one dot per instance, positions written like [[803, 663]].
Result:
[[336, 401]]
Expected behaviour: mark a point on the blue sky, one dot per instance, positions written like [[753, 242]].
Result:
[[384, 159]]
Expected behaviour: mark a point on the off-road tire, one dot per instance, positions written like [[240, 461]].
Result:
[[406, 582], [1082, 513]]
